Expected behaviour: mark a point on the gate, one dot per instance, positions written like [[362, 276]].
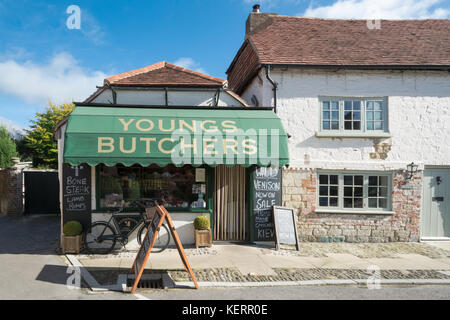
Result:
[[41, 192]]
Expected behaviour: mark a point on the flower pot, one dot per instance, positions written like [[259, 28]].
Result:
[[72, 244], [203, 238]]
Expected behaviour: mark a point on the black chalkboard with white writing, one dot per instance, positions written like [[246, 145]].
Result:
[[266, 193], [77, 192]]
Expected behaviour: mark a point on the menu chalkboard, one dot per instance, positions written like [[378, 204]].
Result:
[[77, 194], [266, 191], [285, 226]]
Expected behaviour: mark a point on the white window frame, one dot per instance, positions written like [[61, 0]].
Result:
[[363, 132], [365, 209]]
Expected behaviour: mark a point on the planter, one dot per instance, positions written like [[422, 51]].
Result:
[[72, 244], [203, 238]]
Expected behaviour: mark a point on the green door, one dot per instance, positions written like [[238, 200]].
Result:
[[435, 221]]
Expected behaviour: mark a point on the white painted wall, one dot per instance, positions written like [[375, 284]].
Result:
[[418, 107]]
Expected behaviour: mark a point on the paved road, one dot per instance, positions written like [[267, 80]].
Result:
[[31, 269]]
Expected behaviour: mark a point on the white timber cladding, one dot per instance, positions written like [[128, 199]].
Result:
[[158, 98], [418, 111]]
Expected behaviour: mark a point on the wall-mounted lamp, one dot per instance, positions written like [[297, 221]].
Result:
[[411, 169]]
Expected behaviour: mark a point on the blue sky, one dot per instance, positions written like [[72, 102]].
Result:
[[42, 59]]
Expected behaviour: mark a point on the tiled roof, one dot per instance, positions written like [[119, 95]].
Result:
[[294, 40], [300, 41], [164, 74]]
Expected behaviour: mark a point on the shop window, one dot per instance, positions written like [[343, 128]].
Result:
[[180, 188]]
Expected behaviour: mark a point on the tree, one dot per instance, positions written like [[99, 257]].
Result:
[[39, 139], [7, 148]]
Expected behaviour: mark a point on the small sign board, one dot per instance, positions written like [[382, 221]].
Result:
[[76, 191], [266, 192], [285, 222]]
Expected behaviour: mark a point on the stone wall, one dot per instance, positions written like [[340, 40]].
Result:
[[300, 192]]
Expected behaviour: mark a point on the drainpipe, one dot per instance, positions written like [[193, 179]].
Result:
[[274, 85]]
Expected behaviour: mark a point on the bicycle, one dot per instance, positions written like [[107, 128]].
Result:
[[103, 235]]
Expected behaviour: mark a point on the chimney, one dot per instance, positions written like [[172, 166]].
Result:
[[257, 21]]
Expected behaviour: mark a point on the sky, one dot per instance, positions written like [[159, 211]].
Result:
[[60, 50]]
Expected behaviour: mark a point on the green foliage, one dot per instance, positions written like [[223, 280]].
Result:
[[72, 228], [7, 148], [201, 223], [39, 139]]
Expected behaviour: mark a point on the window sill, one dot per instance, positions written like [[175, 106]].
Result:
[[352, 135], [338, 211]]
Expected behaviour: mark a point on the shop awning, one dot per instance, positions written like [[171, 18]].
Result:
[[162, 136]]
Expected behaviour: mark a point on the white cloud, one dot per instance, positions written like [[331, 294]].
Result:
[[15, 129], [189, 63], [61, 80], [381, 9]]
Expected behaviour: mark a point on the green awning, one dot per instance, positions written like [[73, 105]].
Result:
[[162, 136]]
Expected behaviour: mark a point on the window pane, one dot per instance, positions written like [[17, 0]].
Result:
[[383, 180], [348, 105], [358, 203], [334, 125], [348, 203], [369, 125], [373, 180], [348, 115], [348, 191], [333, 191], [378, 105], [323, 201], [383, 191], [373, 191], [326, 105], [369, 105], [378, 115], [373, 202], [348, 125], [323, 179], [378, 125], [369, 115], [359, 180], [326, 125], [356, 115], [356, 125], [358, 192], [333, 202], [356, 105], [334, 105], [323, 191], [326, 115], [335, 115], [348, 180], [382, 203], [333, 179]]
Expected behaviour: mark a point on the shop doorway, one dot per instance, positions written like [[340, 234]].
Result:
[[41, 192], [230, 221]]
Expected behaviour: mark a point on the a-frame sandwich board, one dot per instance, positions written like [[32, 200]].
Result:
[[148, 242]]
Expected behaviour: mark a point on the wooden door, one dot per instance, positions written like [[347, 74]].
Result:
[[435, 219], [229, 203]]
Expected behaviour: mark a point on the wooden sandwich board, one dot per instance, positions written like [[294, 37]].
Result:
[[148, 242], [285, 222]]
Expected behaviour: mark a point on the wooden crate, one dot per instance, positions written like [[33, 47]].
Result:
[[72, 244], [203, 238]]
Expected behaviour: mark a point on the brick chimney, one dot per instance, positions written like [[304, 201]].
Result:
[[257, 20]]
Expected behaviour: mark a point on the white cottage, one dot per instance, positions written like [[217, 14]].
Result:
[[368, 114]]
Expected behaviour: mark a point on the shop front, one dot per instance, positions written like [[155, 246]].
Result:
[[196, 160]]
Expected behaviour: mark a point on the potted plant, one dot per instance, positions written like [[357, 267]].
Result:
[[72, 237], [202, 232]]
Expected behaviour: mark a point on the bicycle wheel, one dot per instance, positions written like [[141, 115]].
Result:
[[100, 239], [162, 241]]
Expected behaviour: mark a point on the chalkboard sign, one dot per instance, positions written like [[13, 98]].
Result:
[[266, 191], [285, 226], [77, 194], [159, 216]]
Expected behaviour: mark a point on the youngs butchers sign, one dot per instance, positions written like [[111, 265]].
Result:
[[181, 139]]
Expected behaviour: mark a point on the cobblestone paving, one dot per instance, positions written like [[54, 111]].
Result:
[[293, 274], [362, 250]]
